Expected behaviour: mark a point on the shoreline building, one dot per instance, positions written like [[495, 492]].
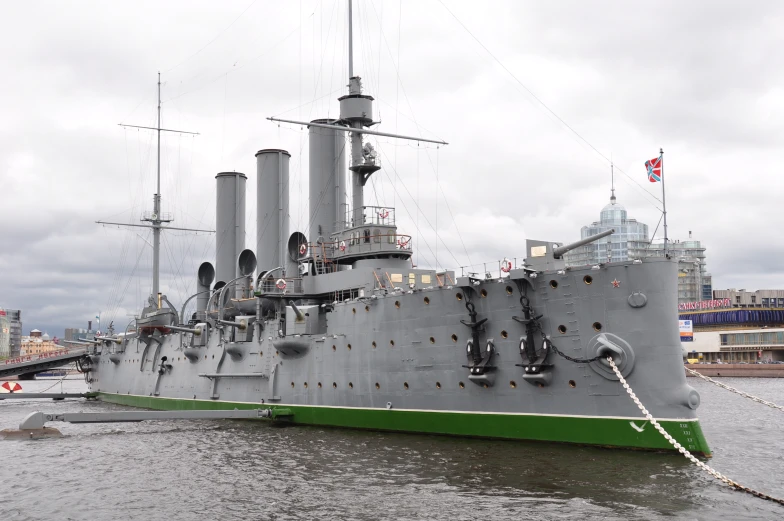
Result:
[[38, 343], [5, 335], [736, 326], [630, 241], [14, 318]]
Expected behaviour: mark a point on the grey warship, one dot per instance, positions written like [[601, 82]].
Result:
[[338, 328]]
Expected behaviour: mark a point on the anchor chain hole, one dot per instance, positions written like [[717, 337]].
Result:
[[562, 329], [553, 284]]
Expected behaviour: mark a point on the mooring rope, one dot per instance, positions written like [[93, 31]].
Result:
[[736, 391], [688, 455]]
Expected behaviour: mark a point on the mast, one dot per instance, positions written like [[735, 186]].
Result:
[[664, 200], [156, 209], [156, 218], [350, 43]]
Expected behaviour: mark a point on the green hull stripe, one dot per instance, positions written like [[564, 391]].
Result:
[[611, 432]]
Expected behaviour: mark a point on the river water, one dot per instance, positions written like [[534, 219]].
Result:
[[201, 470]]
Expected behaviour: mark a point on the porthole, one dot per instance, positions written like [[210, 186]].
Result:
[[261, 353], [391, 343], [334, 347], [572, 384], [305, 385], [432, 340], [485, 386], [349, 347], [427, 300], [334, 385], [292, 385], [354, 311], [562, 329], [213, 357], [378, 386], [597, 326], [454, 338], [587, 279], [405, 385], [319, 385], [397, 304], [513, 384], [461, 385], [276, 353], [350, 385], [367, 308], [459, 296], [504, 334], [438, 385], [509, 290], [553, 284], [483, 293], [374, 344]]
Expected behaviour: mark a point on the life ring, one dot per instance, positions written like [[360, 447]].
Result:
[[384, 213], [303, 249], [280, 284], [506, 265], [342, 245]]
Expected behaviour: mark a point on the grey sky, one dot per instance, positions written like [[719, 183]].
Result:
[[703, 80]]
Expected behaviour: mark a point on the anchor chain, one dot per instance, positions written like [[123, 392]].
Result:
[[688, 455], [476, 326], [736, 391], [531, 316]]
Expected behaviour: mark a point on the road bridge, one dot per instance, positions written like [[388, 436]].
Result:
[[31, 364]]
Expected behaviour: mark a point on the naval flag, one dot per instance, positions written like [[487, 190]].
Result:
[[654, 168]]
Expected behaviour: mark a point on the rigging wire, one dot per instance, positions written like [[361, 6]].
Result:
[[215, 38], [542, 103]]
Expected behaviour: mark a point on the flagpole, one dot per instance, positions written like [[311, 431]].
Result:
[[664, 198]]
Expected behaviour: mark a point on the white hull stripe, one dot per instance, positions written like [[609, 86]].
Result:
[[633, 418]]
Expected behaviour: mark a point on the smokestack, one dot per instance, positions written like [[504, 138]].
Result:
[[204, 278], [230, 224], [689, 234], [272, 208], [327, 174]]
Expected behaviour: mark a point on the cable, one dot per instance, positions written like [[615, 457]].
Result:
[[214, 39], [542, 103]]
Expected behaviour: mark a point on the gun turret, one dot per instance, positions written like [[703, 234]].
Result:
[[559, 252]]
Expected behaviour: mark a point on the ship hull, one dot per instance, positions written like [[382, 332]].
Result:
[[629, 433], [398, 363]]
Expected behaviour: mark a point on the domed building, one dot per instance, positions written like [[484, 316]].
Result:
[[629, 241]]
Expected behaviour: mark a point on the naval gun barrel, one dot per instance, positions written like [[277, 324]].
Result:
[[241, 325], [109, 339], [84, 341], [558, 252], [195, 331], [297, 311]]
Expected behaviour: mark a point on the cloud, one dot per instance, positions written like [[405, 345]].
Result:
[[701, 80]]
